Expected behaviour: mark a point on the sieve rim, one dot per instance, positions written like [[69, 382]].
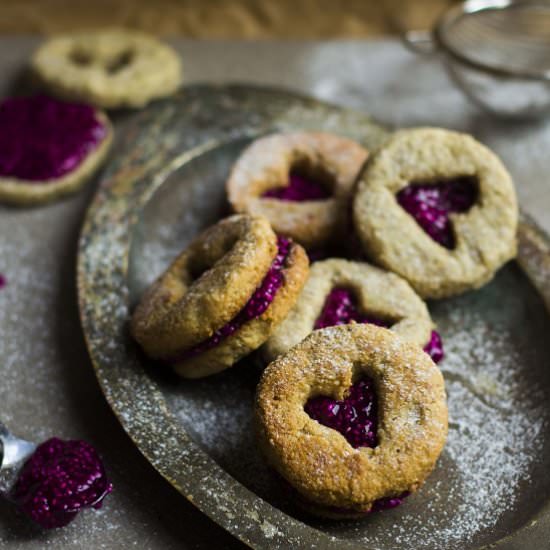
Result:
[[470, 7]]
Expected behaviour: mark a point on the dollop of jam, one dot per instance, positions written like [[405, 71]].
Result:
[[299, 188], [355, 417], [431, 203], [43, 138], [60, 479], [256, 305], [340, 309]]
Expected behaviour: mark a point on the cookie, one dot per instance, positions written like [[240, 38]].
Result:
[[109, 68], [221, 298], [354, 418], [301, 182], [437, 208], [49, 148], [339, 292]]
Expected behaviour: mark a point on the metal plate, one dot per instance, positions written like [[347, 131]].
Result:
[[166, 184]]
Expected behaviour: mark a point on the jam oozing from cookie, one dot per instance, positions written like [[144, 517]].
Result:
[[385, 503], [340, 309], [300, 188], [43, 138], [431, 203], [60, 479], [355, 417], [256, 305], [434, 348]]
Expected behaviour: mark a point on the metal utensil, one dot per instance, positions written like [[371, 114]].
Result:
[[13, 454], [497, 51]]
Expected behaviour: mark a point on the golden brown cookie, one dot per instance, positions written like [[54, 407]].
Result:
[[437, 208], [221, 298], [49, 148], [382, 297], [110, 68], [301, 182], [398, 396]]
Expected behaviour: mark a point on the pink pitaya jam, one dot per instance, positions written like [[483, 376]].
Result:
[[299, 188], [431, 203], [385, 503], [256, 305], [340, 309], [355, 417], [434, 348], [60, 479], [43, 138]]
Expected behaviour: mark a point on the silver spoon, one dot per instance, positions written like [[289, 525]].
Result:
[[13, 454]]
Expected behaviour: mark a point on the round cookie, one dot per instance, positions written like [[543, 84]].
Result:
[[301, 182], [110, 68], [49, 148], [345, 469], [382, 298], [221, 298], [437, 208]]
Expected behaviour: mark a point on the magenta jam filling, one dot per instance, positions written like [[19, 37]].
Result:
[[356, 418], [60, 479], [299, 188], [340, 309], [431, 203], [256, 305], [43, 138]]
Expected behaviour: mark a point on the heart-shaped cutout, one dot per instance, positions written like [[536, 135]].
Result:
[[355, 416], [340, 309], [300, 188], [431, 203]]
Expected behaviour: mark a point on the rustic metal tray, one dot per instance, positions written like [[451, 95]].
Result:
[[166, 183]]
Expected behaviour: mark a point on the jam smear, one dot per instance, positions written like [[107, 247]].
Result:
[[431, 203], [256, 305], [60, 479], [340, 309], [43, 138], [299, 188]]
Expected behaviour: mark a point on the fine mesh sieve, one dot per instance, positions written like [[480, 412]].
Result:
[[498, 51]]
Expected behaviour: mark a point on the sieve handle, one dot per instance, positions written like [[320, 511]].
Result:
[[419, 42]]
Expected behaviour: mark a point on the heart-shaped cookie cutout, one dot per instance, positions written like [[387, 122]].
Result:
[[431, 203]]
